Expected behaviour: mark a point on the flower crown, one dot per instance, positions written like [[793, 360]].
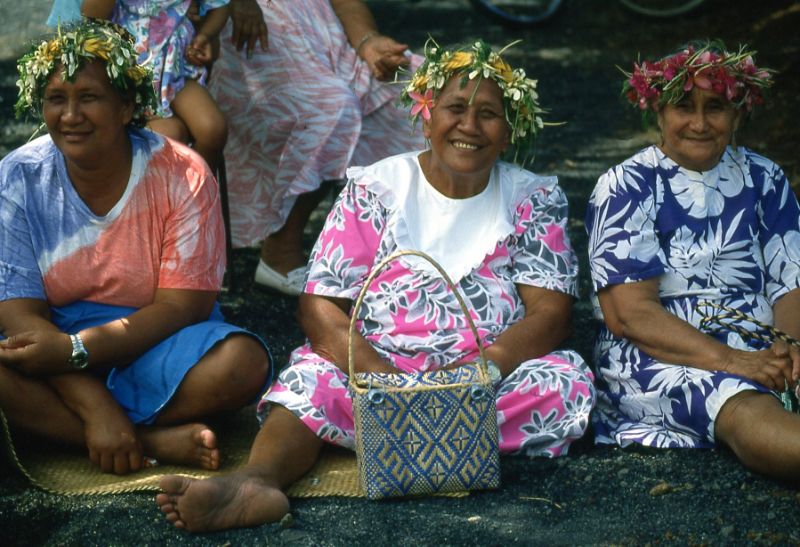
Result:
[[520, 100], [73, 46], [705, 65]]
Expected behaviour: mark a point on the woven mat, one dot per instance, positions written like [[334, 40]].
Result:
[[64, 470]]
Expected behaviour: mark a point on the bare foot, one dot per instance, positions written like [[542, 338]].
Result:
[[190, 444], [232, 501]]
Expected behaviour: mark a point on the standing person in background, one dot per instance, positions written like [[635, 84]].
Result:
[[178, 54], [300, 110]]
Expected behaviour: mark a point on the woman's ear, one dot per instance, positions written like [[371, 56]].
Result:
[[126, 113], [426, 128]]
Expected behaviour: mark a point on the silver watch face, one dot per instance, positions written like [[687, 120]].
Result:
[[80, 357]]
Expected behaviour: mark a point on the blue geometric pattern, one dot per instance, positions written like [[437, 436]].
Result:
[[428, 437]]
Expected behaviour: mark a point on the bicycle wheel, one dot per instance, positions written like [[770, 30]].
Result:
[[661, 8], [519, 12]]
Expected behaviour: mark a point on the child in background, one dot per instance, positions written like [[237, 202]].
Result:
[[177, 53], [64, 11]]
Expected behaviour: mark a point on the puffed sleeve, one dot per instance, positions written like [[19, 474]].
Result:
[[346, 248], [543, 256], [20, 276], [779, 234], [620, 220]]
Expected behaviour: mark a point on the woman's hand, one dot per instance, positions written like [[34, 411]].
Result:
[[768, 368], [326, 323], [200, 51], [383, 55], [249, 26], [112, 441], [37, 353]]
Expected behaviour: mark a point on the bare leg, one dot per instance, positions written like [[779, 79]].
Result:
[[35, 407], [207, 126], [283, 250], [228, 377], [170, 127], [762, 434], [283, 451]]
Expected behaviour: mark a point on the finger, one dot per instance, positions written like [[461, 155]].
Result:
[[94, 457], [263, 37], [106, 462], [121, 464], [236, 36]]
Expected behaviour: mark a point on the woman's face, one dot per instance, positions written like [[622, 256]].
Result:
[[86, 118], [696, 130], [467, 137]]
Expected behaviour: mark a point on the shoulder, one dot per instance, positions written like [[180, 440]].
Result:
[[636, 175], [388, 180], [389, 169], [34, 159], [170, 159]]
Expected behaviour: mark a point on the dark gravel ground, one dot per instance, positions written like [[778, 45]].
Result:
[[596, 495]]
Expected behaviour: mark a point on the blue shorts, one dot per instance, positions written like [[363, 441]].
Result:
[[145, 386]]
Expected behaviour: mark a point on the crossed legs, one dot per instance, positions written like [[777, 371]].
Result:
[[283, 451], [230, 375]]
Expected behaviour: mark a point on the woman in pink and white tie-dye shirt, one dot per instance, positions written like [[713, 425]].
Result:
[[499, 232]]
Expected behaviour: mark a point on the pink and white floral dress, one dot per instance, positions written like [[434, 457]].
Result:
[[412, 319]]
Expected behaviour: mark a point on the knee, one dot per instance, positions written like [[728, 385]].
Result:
[[243, 367], [735, 421], [210, 131]]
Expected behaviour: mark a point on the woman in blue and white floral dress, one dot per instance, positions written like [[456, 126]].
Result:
[[689, 221]]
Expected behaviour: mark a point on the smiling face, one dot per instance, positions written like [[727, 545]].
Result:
[[697, 129], [468, 133], [86, 118]]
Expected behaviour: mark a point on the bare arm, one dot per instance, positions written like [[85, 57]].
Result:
[[787, 319], [325, 322], [110, 435], [99, 9], [43, 351], [545, 325], [214, 21], [634, 311], [382, 54]]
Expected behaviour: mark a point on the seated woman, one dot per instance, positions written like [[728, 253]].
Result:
[[111, 259], [682, 226], [497, 229], [299, 112]]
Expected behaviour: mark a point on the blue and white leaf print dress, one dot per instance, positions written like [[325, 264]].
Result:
[[730, 235]]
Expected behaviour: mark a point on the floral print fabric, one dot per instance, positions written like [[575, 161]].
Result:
[[163, 32], [413, 321], [730, 235], [299, 113]]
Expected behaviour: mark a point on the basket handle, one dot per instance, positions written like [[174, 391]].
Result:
[[375, 271]]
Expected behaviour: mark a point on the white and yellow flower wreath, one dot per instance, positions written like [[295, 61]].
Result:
[[70, 48], [520, 98]]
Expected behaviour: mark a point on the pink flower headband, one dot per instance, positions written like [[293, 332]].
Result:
[[708, 66]]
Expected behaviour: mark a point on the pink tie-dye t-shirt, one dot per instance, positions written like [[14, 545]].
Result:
[[165, 232]]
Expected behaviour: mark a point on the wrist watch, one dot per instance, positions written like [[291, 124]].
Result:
[[494, 372], [79, 359]]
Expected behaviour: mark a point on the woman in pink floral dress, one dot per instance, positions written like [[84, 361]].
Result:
[[497, 229]]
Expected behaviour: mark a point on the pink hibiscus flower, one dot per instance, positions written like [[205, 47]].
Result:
[[422, 103]]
